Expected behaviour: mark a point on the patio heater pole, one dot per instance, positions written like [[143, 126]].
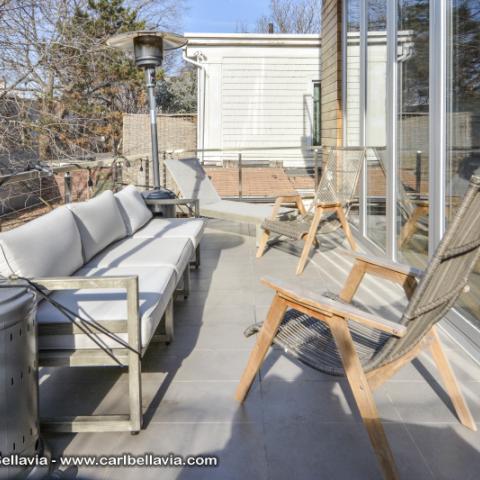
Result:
[[147, 48], [152, 106]]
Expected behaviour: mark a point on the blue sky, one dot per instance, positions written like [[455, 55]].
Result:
[[216, 16]]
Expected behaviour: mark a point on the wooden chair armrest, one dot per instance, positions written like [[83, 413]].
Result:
[[288, 198], [295, 294], [385, 263]]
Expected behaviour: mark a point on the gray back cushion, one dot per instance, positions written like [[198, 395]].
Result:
[[192, 181], [132, 206], [48, 246], [99, 222]]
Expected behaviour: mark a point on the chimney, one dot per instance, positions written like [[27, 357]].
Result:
[[270, 28]]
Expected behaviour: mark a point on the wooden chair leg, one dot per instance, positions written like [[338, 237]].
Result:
[[346, 227], [353, 281], [262, 245], [363, 397], [264, 340], [410, 227], [309, 240], [450, 382]]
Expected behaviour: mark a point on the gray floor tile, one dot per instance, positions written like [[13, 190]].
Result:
[[327, 401], [207, 402], [336, 452], [211, 337], [200, 365], [186, 313], [419, 402], [232, 298], [451, 451]]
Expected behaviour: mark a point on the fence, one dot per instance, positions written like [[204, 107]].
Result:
[[27, 195], [241, 173], [257, 174]]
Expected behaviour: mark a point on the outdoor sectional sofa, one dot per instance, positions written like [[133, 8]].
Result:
[[116, 269]]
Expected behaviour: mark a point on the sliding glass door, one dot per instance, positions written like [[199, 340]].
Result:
[[413, 130], [412, 97], [463, 119]]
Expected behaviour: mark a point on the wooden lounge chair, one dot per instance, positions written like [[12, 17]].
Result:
[[341, 339], [333, 197]]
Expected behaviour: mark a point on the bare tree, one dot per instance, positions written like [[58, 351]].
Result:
[[292, 16], [62, 90]]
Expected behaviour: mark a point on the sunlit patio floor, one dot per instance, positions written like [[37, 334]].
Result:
[[296, 422]]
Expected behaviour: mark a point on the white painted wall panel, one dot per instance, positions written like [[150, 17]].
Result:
[[259, 96]]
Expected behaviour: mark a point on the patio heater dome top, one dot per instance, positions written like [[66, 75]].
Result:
[[147, 46], [125, 41]]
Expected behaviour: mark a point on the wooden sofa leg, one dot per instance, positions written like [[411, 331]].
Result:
[[134, 357], [135, 392], [186, 283], [264, 340], [363, 397], [197, 257], [450, 382], [169, 328]]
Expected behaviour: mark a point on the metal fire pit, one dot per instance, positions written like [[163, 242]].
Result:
[[19, 426]]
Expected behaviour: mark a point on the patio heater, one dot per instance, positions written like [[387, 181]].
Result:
[[147, 48]]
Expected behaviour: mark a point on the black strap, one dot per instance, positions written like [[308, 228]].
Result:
[[87, 326]]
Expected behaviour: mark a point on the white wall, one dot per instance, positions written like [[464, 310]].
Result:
[[258, 96]]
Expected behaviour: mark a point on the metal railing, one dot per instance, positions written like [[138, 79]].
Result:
[[256, 174], [27, 195], [292, 163]]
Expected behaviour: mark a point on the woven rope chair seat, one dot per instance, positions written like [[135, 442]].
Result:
[[297, 228], [310, 340]]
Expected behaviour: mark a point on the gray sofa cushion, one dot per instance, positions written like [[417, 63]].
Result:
[[132, 206], [148, 252], [48, 246], [156, 287], [100, 223], [191, 228]]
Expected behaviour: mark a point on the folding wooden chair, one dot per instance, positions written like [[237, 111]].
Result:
[[341, 339], [333, 198]]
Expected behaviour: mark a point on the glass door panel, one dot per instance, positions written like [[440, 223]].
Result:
[[375, 121], [352, 88], [413, 130], [463, 119]]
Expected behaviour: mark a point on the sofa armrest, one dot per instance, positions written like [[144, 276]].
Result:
[[127, 282]]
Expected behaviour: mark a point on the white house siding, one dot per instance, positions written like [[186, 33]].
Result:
[[258, 96]]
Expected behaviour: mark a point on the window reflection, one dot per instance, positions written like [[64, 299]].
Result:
[[463, 118], [413, 130]]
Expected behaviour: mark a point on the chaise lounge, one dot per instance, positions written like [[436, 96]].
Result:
[[191, 181]]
